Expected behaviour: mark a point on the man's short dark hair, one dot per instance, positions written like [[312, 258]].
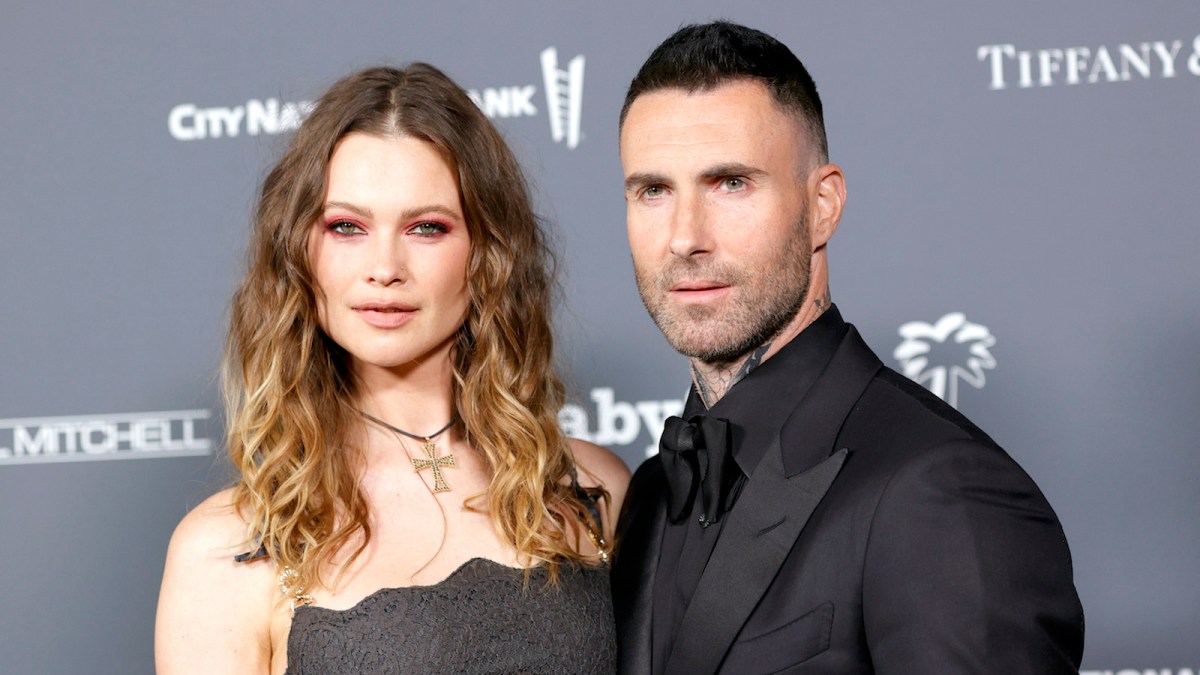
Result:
[[702, 57]]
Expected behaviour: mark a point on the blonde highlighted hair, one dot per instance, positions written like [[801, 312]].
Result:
[[288, 386]]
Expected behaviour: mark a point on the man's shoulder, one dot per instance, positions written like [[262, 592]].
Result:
[[646, 490], [899, 429], [893, 404], [647, 476]]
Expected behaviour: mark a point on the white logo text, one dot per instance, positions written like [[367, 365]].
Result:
[[619, 422], [1140, 671], [38, 440], [504, 102], [189, 122], [1086, 65]]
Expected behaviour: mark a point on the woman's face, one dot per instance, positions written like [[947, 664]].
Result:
[[389, 253]]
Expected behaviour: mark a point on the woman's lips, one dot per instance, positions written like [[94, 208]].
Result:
[[386, 315]]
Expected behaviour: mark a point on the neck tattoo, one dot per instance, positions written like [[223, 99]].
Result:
[[431, 460], [713, 382], [714, 385]]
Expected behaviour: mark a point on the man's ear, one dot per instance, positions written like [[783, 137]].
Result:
[[827, 199]]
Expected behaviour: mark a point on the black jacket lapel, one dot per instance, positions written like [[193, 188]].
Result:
[[812, 429], [787, 485], [635, 562], [758, 535]]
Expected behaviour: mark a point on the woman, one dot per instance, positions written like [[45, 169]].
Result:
[[406, 501]]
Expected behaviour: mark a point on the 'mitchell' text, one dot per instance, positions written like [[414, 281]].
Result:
[[95, 437], [1025, 68]]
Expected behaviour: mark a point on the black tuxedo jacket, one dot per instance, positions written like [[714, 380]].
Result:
[[882, 532]]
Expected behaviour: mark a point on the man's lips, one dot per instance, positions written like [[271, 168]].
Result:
[[697, 286], [698, 290], [385, 314]]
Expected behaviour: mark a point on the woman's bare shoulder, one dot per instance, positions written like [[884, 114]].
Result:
[[213, 524], [201, 555], [213, 610], [601, 467]]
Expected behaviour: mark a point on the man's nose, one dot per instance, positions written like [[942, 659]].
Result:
[[690, 232]]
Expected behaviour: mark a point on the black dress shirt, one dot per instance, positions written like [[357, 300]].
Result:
[[756, 408]]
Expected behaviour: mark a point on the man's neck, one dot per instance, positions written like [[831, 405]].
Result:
[[714, 379]]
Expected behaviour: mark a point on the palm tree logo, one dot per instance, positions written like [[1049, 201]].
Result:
[[938, 355]]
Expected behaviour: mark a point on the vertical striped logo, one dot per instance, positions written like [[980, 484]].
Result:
[[564, 96]]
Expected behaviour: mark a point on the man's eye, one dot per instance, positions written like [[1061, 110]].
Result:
[[733, 183], [653, 191]]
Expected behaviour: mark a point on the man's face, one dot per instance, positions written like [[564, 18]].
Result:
[[716, 202]]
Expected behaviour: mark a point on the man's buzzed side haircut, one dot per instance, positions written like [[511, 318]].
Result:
[[702, 57]]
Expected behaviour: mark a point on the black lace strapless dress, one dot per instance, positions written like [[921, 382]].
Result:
[[480, 619]]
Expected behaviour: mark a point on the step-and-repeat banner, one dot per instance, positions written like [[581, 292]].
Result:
[[1020, 238]]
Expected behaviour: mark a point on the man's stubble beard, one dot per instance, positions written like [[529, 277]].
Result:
[[763, 302]]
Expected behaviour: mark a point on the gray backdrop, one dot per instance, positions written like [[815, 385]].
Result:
[[1025, 209]]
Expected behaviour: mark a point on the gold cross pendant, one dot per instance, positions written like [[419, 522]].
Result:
[[436, 463]]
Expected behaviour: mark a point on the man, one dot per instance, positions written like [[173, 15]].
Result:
[[813, 511]]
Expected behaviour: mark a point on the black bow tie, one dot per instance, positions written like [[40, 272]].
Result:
[[697, 453]]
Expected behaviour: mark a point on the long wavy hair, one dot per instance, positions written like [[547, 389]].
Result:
[[288, 386]]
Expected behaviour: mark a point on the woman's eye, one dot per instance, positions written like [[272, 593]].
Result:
[[344, 227], [428, 229]]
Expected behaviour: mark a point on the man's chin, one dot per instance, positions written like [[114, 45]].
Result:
[[705, 348]]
